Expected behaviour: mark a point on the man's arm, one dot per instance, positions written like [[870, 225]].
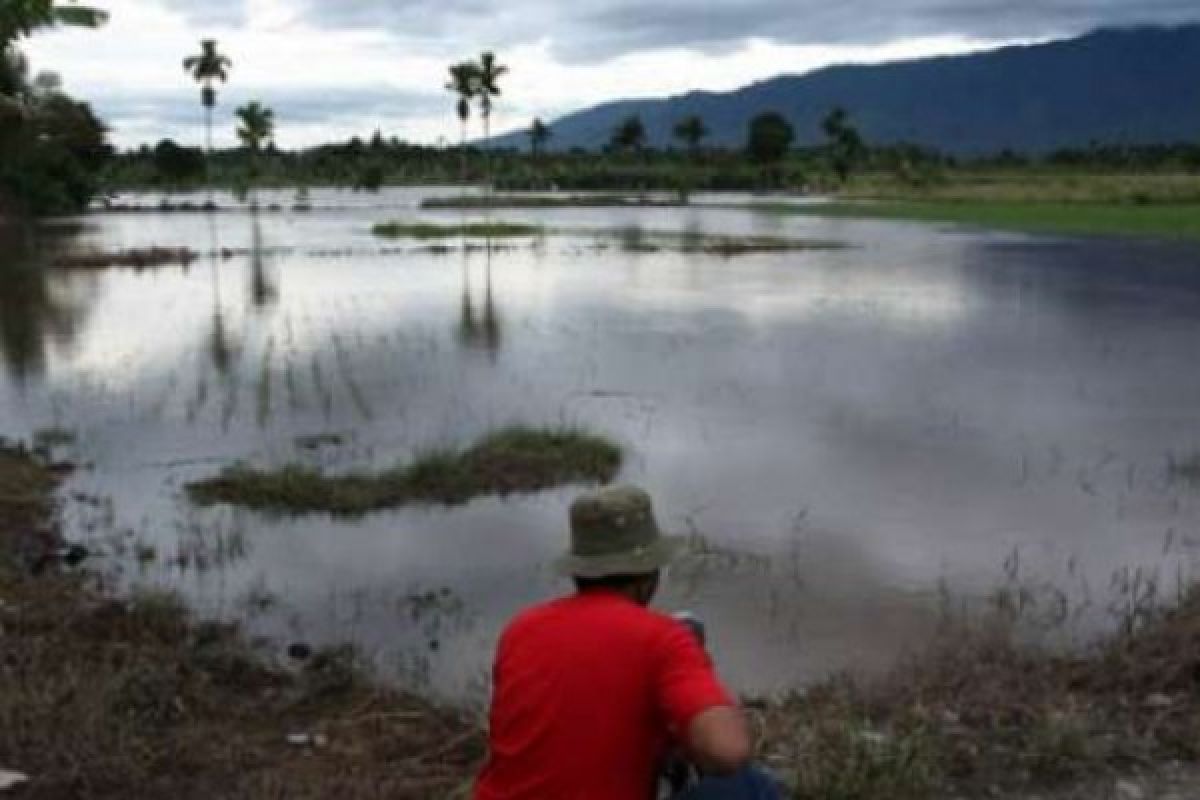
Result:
[[700, 710], [718, 740]]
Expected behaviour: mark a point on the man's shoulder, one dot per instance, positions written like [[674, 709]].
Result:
[[590, 609]]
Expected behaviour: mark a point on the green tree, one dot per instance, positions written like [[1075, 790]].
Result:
[[770, 137], [844, 144], [464, 83], [256, 125], [490, 73], [539, 134], [691, 130], [769, 140], [20, 18], [178, 165], [629, 135], [52, 145], [205, 68]]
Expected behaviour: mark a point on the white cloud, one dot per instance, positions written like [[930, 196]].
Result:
[[283, 55]]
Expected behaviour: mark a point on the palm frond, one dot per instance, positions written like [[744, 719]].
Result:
[[79, 16]]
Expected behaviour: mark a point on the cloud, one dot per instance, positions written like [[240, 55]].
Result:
[[336, 68], [601, 29], [303, 117], [221, 14]]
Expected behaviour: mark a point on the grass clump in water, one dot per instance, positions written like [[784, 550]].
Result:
[[429, 230], [549, 201], [516, 459]]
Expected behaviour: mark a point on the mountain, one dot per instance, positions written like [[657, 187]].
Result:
[[1132, 85]]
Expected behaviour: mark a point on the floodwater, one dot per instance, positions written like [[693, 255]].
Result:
[[858, 434]]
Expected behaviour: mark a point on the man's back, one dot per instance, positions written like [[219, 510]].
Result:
[[586, 690]]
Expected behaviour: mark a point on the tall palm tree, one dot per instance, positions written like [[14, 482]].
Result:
[[205, 68], [691, 130], [19, 18], [490, 72], [464, 82], [539, 134]]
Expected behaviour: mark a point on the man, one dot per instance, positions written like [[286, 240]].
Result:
[[591, 691]]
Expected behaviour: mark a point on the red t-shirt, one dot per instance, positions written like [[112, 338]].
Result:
[[586, 690]]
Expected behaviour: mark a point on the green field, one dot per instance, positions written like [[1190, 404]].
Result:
[[1160, 220]]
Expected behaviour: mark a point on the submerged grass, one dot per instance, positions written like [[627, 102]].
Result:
[[137, 258], [1153, 220], [500, 201], [516, 459], [429, 230]]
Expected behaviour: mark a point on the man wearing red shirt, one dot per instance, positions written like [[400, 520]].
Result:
[[592, 691]]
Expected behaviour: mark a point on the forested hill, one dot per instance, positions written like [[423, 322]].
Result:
[[1137, 85]]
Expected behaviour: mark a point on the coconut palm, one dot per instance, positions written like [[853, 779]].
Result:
[[490, 72], [539, 134], [691, 130], [205, 68], [19, 18], [464, 82]]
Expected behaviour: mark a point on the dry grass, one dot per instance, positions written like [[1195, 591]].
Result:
[[980, 711], [108, 698]]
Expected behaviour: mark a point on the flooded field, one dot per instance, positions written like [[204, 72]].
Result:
[[852, 433]]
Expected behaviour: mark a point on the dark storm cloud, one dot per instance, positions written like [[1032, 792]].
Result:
[[597, 29]]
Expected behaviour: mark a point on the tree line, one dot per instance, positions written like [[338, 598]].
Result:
[[56, 154]]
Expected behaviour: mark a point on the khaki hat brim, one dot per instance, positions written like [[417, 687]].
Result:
[[654, 556]]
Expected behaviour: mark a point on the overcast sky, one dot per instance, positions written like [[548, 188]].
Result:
[[336, 68]]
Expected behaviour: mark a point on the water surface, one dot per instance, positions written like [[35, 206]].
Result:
[[852, 431]]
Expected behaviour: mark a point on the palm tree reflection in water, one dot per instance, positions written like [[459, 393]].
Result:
[[264, 292], [220, 348], [481, 332]]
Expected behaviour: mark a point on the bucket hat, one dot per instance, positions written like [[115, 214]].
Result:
[[613, 532]]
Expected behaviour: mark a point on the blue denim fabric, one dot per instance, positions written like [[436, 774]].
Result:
[[749, 784]]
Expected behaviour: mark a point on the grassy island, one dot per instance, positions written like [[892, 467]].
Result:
[[477, 230], [516, 459]]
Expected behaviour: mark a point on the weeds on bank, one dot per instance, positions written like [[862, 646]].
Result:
[[118, 698], [982, 711], [516, 459], [426, 230]]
